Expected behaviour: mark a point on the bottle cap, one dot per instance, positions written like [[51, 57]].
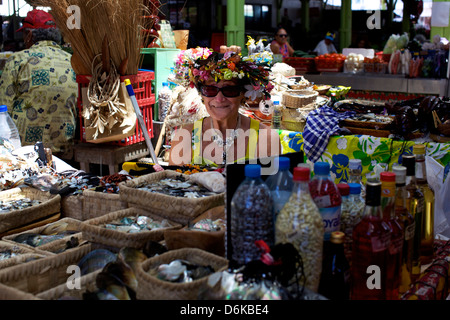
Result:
[[419, 149], [337, 237], [373, 193], [355, 164], [301, 174], [387, 176], [322, 168], [284, 163], [355, 188], [253, 170], [400, 174], [344, 189], [409, 161], [3, 108]]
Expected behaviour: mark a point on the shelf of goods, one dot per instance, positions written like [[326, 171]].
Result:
[[382, 83]]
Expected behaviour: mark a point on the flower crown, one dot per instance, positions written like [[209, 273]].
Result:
[[195, 66]]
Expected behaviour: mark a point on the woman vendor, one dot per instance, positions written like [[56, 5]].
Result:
[[224, 82]]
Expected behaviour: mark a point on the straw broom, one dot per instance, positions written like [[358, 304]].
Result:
[[121, 21]]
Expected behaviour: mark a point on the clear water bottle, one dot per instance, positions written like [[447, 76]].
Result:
[[355, 174], [8, 129], [164, 99], [276, 113], [280, 184], [251, 217]]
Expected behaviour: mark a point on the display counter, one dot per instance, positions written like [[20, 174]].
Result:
[[371, 150], [382, 83]]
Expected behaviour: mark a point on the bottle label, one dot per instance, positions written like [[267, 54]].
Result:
[[323, 201], [380, 243], [331, 220], [409, 231], [396, 246]]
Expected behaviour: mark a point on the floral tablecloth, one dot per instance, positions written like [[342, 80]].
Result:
[[371, 150]]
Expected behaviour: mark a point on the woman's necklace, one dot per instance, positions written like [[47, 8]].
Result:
[[217, 138]]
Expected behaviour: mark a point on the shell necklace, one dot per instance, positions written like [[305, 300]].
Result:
[[229, 141]]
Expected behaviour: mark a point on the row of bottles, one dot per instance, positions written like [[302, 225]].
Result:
[[372, 245]]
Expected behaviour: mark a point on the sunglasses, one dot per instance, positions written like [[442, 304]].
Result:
[[228, 91], [282, 35]]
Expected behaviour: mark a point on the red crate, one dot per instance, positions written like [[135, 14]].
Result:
[[142, 85], [301, 64]]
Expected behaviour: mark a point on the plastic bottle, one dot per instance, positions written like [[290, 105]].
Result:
[[355, 174], [335, 277], [327, 198], [351, 218], [371, 238], [276, 114], [427, 242], [300, 223], [394, 259], [280, 184], [164, 100], [8, 129], [251, 216]]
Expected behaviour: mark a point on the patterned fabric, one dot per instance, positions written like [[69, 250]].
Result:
[[283, 49], [197, 143], [371, 150], [39, 87], [320, 125]]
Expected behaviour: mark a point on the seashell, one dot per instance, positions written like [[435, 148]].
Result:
[[131, 256], [96, 259]]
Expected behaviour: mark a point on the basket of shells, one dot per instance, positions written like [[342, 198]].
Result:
[[173, 195], [298, 98], [23, 205], [55, 237], [12, 254], [131, 227], [177, 274]]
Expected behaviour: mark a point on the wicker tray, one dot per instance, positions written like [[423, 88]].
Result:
[[23, 254], [368, 124], [298, 98], [51, 204], [43, 274], [72, 206], [54, 246], [152, 288], [96, 204], [92, 231], [181, 210]]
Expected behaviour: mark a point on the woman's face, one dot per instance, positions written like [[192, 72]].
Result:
[[281, 36], [225, 103]]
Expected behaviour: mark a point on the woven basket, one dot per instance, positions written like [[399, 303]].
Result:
[[94, 232], [152, 288], [178, 209], [298, 98], [72, 206], [211, 241], [9, 293], [87, 284], [296, 126], [43, 274], [51, 204], [96, 204], [54, 246], [23, 254]]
